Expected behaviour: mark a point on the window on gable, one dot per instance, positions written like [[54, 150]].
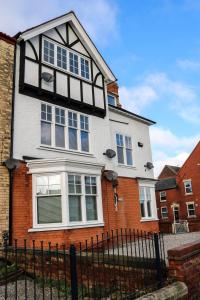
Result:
[[111, 100], [190, 209], [46, 119], [61, 57], [59, 127], [164, 212], [73, 63], [48, 54], [163, 196], [85, 68], [49, 208], [145, 202], [188, 186]]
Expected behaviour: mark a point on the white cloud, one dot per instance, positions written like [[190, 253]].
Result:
[[136, 98], [188, 64], [169, 148], [99, 17], [181, 98]]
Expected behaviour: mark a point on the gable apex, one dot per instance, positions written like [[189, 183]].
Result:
[[79, 31]]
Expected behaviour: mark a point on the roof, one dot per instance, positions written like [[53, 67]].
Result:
[[174, 169], [166, 184], [85, 38], [131, 114], [7, 38]]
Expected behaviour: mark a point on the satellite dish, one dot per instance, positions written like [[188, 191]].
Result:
[[149, 165], [110, 175], [48, 77], [11, 163], [110, 153]]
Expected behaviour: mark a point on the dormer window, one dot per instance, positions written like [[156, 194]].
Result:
[[65, 59], [111, 100]]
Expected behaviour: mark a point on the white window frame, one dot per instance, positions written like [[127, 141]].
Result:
[[124, 149], [162, 196], [68, 66], [185, 182], [187, 204], [66, 223], [66, 133], [153, 203], [165, 212]]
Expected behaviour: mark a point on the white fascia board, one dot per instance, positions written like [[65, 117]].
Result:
[[63, 165], [83, 36]]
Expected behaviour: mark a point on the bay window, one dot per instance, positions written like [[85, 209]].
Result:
[[64, 129], [66, 199]]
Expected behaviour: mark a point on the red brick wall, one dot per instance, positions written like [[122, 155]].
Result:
[[190, 170], [184, 265], [127, 215]]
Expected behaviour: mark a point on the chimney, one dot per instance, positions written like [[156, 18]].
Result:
[[113, 89]]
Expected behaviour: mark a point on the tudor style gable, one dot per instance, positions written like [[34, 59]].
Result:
[[61, 66]]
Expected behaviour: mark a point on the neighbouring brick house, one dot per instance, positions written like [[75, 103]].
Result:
[[178, 196], [7, 46], [85, 162]]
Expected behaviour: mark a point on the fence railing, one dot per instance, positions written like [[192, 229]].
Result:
[[121, 264]]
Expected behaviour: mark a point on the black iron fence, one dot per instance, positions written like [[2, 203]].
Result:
[[122, 264]]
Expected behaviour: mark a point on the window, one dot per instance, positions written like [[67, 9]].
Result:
[[46, 119], [75, 192], [128, 144], [48, 53], [67, 199], [124, 149], [145, 202], [90, 198], [188, 186], [84, 127], [164, 212], [163, 196], [61, 57], [49, 208], [85, 68], [111, 100], [120, 148], [190, 209], [65, 59], [59, 127], [73, 63], [64, 129], [72, 129]]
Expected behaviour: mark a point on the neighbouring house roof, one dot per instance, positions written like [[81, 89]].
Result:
[[169, 171], [166, 184], [7, 38], [174, 169], [131, 114], [80, 31]]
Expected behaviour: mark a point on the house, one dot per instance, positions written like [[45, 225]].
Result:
[[178, 196], [7, 46], [84, 162]]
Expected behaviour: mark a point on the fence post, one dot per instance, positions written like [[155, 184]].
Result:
[[158, 262], [73, 273]]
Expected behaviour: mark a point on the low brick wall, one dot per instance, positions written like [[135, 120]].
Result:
[[184, 265]]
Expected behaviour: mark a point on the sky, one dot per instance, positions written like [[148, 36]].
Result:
[[153, 48]]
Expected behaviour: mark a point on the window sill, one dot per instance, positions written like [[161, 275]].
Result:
[[188, 194], [149, 220], [60, 150], [61, 227], [126, 166], [191, 217], [163, 200]]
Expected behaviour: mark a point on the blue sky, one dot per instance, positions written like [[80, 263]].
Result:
[[153, 47]]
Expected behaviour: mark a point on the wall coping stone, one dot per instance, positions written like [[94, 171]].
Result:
[[174, 291], [184, 251]]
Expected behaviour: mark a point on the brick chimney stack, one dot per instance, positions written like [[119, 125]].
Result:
[[112, 88]]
